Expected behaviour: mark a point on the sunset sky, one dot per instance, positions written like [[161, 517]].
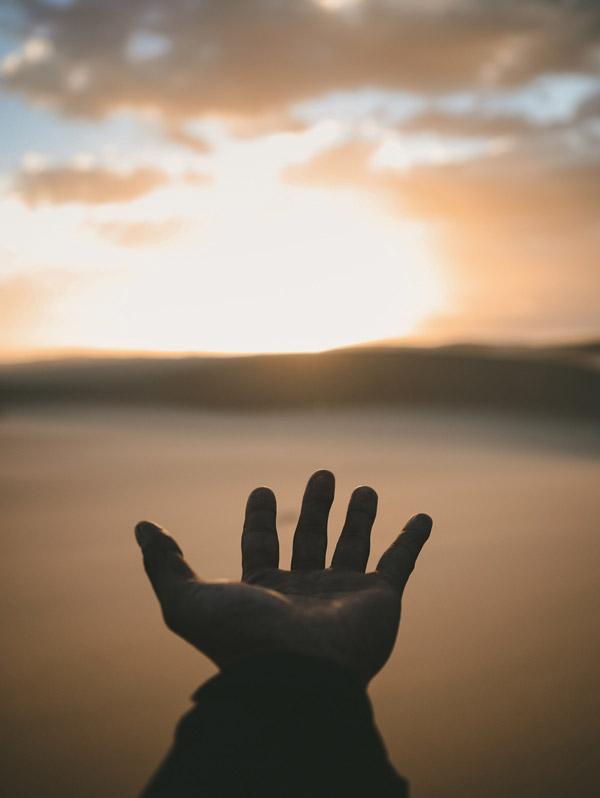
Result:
[[287, 175]]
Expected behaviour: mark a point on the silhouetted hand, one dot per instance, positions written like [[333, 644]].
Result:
[[338, 613]]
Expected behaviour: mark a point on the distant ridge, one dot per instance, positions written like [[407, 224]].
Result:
[[561, 381]]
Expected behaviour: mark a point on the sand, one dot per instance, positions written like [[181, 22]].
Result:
[[491, 690]]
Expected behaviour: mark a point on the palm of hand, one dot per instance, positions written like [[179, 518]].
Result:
[[349, 618], [340, 613]]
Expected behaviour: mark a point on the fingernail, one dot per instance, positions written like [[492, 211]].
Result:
[[365, 491], [420, 522], [145, 532], [322, 476]]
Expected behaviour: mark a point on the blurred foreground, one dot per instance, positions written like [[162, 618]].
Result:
[[490, 691]]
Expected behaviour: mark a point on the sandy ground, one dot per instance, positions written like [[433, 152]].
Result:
[[491, 690]]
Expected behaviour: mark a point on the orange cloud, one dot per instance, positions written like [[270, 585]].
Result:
[[519, 235], [61, 185], [139, 234], [26, 305]]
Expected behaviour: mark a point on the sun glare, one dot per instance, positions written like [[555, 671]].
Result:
[[337, 5], [290, 269], [243, 263]]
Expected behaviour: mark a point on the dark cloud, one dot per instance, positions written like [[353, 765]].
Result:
[[253, 56], [60, 185], [589, 109]]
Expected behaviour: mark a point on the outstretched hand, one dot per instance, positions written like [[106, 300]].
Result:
[[338, 613]]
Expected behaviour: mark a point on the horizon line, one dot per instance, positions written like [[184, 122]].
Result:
[[48, 354]]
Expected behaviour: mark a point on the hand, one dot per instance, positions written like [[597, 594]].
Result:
[[338, 613]]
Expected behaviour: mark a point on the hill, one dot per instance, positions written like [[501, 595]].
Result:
[[541, 381]]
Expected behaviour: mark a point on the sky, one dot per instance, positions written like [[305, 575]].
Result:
[[294, 175]]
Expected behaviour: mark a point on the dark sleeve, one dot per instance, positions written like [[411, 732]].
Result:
[[278, 725]]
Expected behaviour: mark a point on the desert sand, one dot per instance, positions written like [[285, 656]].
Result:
[[491, 690]]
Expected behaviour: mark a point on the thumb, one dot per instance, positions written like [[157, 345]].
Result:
[[399, 560], [163, 560]]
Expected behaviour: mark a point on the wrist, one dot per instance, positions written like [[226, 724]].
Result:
[[283, 670], [311, 715]]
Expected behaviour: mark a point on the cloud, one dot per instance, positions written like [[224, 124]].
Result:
[[139, 234], [549, 102], [508, 191], [343, 165], [589, 109], [179, 135], [446, 124], [60, 185], [480, 118], [255, 56], [522, 240], [519, 235], [27, 304]]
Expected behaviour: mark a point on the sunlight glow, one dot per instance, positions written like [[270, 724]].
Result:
[[285, 270], [241, 262], [338, 5]]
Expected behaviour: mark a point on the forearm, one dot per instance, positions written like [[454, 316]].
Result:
[[278, 725]]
